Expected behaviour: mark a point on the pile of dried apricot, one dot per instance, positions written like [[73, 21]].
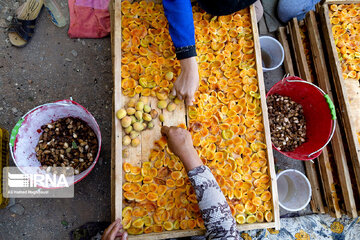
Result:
[[346, 32], [148, 61], [225, 122], [158, 194], [345, 20]]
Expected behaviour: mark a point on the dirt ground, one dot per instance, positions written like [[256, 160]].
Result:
[[50, 68], [54, 67]]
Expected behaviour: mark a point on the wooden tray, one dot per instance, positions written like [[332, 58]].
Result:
[[345, 90], [141, 153]]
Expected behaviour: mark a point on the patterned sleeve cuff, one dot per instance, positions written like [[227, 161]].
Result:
[[185, 52]]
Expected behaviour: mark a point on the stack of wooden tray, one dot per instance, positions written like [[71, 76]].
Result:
[[334, 175]]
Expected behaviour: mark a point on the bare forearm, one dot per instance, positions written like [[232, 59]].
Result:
[[191, 160]]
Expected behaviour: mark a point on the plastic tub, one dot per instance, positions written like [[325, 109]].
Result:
[[26, 133], [294, 190], [272, 53], [319, 114]]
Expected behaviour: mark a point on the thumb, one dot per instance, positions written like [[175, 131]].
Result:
[[165, 130], [189, 101], [124, 236]]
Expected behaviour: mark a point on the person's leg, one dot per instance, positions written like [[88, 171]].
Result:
[[288, 9], [258, 10]]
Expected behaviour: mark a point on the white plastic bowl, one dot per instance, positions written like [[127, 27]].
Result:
[[272, 52], [294, 190], [26, 133]]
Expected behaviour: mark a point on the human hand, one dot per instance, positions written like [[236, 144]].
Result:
[[181, 144], [113, 231], [187, 83]]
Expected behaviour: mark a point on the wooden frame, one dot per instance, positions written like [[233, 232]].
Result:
[[336, 142], [341, 90], [173, 118], [340, 1]]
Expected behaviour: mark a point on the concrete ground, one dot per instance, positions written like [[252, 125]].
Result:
[[53, 67]]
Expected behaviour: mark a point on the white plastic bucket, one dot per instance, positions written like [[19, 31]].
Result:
[[272, 53], [27, 131], [294, 190]]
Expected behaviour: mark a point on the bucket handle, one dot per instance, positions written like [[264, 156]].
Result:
[[332, 112]]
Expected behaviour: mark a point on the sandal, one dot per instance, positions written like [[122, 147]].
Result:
[[22, 26]]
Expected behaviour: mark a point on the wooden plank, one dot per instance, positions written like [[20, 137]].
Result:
[[133, 152], [341, 1], [336, 143], [316, 202], [323, 161], [195, 232], [148, 137], [247, 227], [169, 234], [342, 94], [299, 53], [176, 117], [328, 184], [282, 36], [260, 76], [117, 104]]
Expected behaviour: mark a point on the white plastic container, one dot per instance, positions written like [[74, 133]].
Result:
[[272, 53], [26, 133], [294, 190]]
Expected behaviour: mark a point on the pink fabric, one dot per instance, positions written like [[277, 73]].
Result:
[[89, 18], [97, 4]]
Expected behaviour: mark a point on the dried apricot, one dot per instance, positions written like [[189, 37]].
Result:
[[251, 219], [266, 196], [129, 196], [127, 167], [184, 224], [240, 218], [268, 216], [170, 183], [168, 226], [151, 196], [176, 175], [140, 196], [126, 222]]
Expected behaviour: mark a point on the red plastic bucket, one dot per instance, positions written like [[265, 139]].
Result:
[[319, 114]]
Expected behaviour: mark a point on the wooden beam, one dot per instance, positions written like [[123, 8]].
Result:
[[316, 202], [270, 158], [299, 52], [336, 143], [116, 157], [282, 36], [341, 1]]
